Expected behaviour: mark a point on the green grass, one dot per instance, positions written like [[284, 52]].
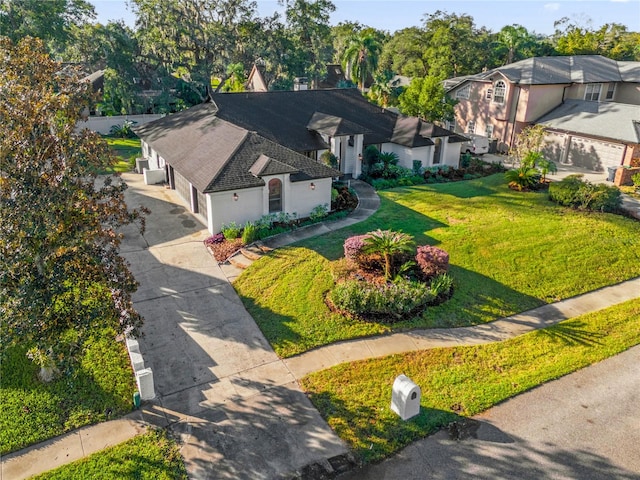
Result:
[[509, 252], [31, 411], [152, 456], [126, 150], [355, 398]]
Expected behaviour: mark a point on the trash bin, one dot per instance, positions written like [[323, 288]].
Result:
[[493, 146], [612, 174], [405, 397]]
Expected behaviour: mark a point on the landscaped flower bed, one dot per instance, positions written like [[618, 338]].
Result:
[[379, 280]]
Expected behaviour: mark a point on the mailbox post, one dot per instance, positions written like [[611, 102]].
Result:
[[405, 397]]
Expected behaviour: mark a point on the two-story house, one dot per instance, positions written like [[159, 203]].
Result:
[[589, 104]]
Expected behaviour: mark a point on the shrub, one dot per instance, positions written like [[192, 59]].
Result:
[[417, 167], [369, 157], [353, 247], [214, 239], [636, 180], [124, 130], [575, 192], [329, 159], [249, 233], [319, 212], [231, 231], [432, 261], [441, 286], [393, 301], [465, 160], [523, 178]]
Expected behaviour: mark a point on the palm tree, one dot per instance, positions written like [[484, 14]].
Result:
[[361, 57], [387, 243], [381, 89]]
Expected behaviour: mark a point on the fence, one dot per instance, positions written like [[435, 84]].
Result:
[[103, 124]]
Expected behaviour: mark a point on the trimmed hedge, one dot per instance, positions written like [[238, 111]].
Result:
[[575, 192]]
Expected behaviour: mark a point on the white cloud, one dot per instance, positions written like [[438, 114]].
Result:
[[619, 1], [552, 7]]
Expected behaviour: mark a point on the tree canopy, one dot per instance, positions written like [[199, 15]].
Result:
[[60, 270]]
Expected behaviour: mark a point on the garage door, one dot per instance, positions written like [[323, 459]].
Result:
[[553, 146], [595, 155], [183, 187]]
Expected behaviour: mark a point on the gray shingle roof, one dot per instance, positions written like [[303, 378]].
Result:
[[333, 126], [561, 69], [615, 121], [215, 155]]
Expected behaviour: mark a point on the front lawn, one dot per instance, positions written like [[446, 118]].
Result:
[[457, 382], [126, 150], [509, 252], [151, 456], [99, 387]]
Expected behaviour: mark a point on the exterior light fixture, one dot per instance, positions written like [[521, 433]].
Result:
[[312, 186], [360, 156], [235, 197]]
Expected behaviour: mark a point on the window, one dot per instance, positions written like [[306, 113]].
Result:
[[275, 195], [592, 93], [463, 92], [489, 94], [488, 131], [451, 125], [471, 127], [499, 91], [611, 89]]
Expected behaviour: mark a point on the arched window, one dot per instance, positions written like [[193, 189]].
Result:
[[499, 91], [275, 195]]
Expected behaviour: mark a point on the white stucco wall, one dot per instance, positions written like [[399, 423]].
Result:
[[407, 155], [303, 199], [450, 153], [224, 209]]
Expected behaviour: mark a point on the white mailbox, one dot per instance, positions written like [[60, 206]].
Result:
[[405, 397]]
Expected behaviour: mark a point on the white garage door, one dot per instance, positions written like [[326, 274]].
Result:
[[553, 146], [183, 187], [595, 155]]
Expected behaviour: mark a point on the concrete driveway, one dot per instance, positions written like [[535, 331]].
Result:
[[220, 387], [584, 426]]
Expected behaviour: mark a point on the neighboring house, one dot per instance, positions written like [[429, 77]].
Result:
[[256, 81], [501, 102], [224, 157]]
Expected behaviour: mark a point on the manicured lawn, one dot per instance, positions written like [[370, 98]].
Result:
[[151, 456], [100, 387], [509, 252], [355, 398], [126, 151]]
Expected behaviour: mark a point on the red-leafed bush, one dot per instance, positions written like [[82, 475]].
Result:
[[353, 247], [432, 261]]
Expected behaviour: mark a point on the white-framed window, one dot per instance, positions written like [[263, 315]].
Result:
[[611, 90], [488, 131], [463, 92], [489, 94], [471, 126], [592, 93], [451, 125], [499, 91]]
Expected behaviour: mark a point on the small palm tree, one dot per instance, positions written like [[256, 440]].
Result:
[[361, 56], [387, 243]]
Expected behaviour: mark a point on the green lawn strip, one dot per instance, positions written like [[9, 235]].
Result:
[[152, 456], [125, 150], [355, 398], [99, 387], [509, 252]]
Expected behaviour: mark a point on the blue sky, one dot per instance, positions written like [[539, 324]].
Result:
[[535, 15]]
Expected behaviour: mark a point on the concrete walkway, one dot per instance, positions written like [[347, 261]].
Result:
[[236, 407]]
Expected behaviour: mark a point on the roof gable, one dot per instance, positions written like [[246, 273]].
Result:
[[268, 166], [333, 126]]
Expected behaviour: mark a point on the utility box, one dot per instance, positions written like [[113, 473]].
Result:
[[405, 397]]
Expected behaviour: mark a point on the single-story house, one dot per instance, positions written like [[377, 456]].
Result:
[[243, 155]]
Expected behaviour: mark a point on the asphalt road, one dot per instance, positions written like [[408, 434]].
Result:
[[583, 426]]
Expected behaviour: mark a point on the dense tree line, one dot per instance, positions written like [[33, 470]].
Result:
[[181, 50]]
